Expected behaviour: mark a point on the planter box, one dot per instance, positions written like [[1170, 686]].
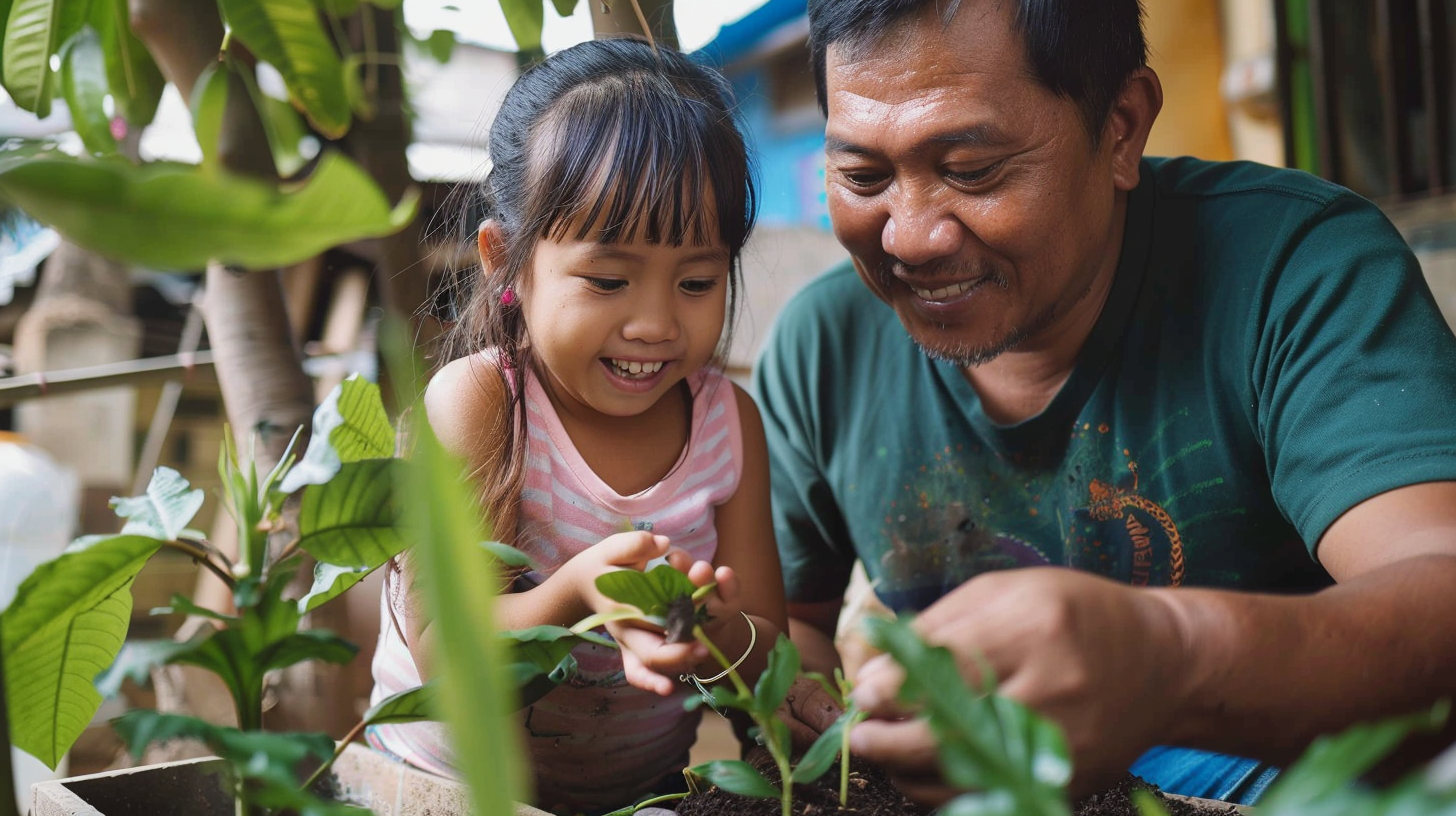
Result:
[[194, 787]]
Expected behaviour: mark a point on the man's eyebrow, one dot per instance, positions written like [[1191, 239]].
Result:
[[975, 136]]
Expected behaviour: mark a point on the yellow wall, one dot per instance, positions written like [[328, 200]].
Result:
[[1185, 47]]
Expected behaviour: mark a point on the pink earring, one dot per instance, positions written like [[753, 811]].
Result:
[[507, 296]]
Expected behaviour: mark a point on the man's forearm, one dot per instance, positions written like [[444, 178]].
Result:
[[1266, 674]]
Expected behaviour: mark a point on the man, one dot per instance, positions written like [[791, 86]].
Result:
[[1177, 378]]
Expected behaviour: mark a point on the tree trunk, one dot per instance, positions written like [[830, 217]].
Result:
[[620, 17]]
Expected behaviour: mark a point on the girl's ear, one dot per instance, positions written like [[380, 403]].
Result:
[[490, 240]]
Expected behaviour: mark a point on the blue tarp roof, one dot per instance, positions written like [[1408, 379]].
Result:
[[737, 39]]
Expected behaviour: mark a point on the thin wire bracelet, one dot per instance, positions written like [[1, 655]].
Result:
[[698, 682]]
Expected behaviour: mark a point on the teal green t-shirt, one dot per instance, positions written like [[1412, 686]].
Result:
[[1269, 357]]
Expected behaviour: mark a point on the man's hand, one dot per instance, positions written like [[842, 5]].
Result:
[[1097, 657], [808, 711]]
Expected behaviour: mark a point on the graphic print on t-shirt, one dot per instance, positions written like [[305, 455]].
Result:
[[966, 510]]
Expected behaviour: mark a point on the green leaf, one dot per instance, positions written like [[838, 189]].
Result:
[[565, 8], [329, 582], [187, 607], [164, 511], [66, 625], [820, 756], [289, 35], [138, 658], [35, 31], [737, 777], [136, 83], [650, 591], [352, 519], [1147, 804], [255, 754], [350, 425], [178, 217], [510, 556], [1333, 762], [984, 803], [361, 101], [411, 705], [83, 83], [773, 685], [339, 8], [285, 130], [525, 18], [314, 644], [441, 44], [457, 580], [209, 101]]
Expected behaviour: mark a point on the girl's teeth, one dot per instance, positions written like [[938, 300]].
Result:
[[942, 294], [634, 369]]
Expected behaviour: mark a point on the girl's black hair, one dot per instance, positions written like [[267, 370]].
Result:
[[614, 136], [1083, 50]]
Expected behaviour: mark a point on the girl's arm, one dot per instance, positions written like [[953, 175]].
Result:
[[746, 546]]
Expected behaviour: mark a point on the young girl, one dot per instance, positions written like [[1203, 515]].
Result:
[[590, 401]]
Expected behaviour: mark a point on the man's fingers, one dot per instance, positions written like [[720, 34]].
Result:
[[877, 686], [906, 748]]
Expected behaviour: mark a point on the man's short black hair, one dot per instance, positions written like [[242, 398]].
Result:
[[1083, 50]]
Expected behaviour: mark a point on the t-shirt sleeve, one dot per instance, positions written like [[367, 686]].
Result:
[[1354, 369], [814, 546]]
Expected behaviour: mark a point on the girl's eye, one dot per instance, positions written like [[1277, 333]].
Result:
[[974, 176], [699, 286], [605, 284]]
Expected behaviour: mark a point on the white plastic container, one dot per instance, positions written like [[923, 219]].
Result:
[[39, 512]]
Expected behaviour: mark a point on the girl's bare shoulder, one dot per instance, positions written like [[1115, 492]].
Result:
[[465, 402]]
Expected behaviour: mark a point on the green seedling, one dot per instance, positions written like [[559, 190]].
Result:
[[64, 634], [838, 691], [665, 597]]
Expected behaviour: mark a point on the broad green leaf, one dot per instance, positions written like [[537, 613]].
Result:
[[138, 658], [289, 35], [286, 132], [186, 607], [164, 511], [773, 685], [410, 705], [65, 626], [339, 8], [350, 425], [329, 582], [178, 217], [35, 30], [136, 82], [458, 582], [544, 647], [4, 20], [361, 101], [208, 102], [285, 797], [565, 8], [256, 754], [352, 519], [820, 756], [649, 591], [313, 644], [525, 18], [83, 83], [1332, 762], [737, 777]]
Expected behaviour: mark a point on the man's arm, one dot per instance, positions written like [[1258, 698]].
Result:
[[1123, 669], [1380, 642]]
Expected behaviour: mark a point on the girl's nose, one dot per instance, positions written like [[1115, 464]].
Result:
[[654, 321]]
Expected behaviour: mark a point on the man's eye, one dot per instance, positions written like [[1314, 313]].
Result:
[[862, 179], [606, 284], [974, 176], [699, 286]]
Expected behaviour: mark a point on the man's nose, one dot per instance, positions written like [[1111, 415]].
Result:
[[919, 232]]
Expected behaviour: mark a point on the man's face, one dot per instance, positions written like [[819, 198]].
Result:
[[970, 197]]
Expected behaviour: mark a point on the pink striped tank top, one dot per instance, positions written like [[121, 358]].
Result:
[[595, 741]]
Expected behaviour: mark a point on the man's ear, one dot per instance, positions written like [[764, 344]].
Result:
[[490, 242], [1129, 122]]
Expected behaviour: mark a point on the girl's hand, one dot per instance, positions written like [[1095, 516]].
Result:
[[724, 603]]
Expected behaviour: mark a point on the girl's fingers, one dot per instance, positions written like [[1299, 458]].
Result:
[[700, 573], [632, 550], [727, 583], [679, 560], [639, 676]]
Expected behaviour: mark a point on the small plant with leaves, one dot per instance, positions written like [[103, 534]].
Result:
[[665, 597], [64, 634]]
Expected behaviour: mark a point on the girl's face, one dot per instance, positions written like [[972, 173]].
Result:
[[617, 326]]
